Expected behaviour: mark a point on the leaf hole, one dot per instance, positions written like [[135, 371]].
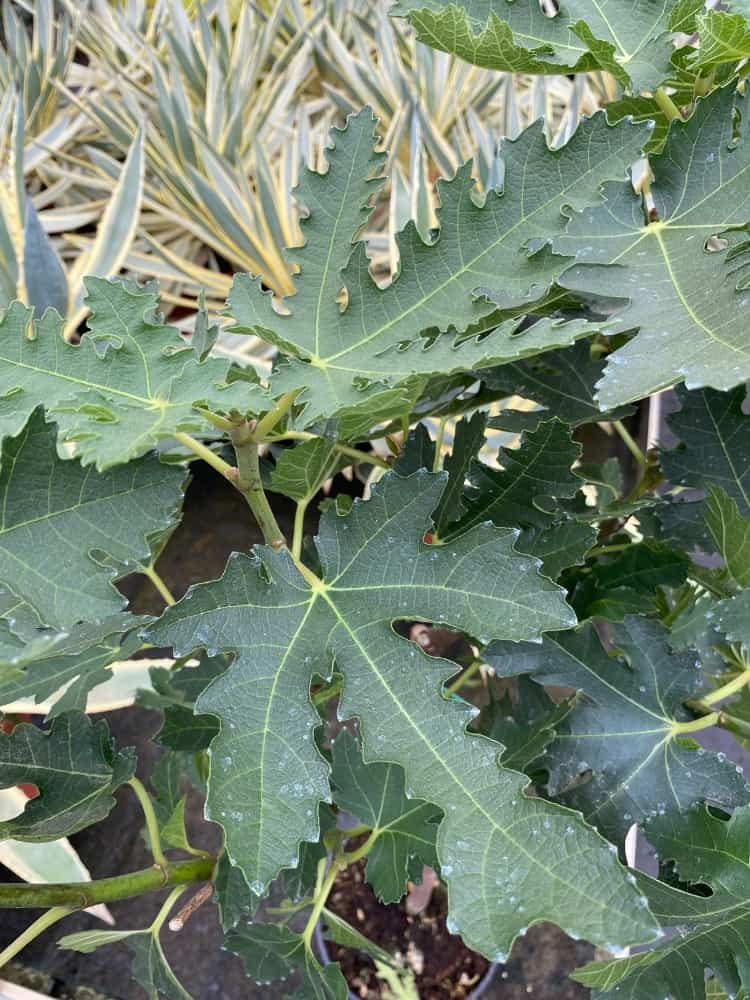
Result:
[[715, 244]]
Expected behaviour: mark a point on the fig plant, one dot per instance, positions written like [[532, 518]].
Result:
[[600, 608]]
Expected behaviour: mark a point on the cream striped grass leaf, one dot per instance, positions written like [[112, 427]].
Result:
[[114, 235]]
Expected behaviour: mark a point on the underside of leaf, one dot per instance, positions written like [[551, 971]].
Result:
[[267, 778]]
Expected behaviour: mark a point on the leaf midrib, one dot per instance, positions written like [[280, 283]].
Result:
[[582, 50], [51, 515], [568, 654], [332, 245], [104, 389], [656, 233], [457, 274], [727, 455], [401, 709]]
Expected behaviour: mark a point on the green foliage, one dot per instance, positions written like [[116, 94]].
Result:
[[97, 525], [294, 629], [131, 383], [77, 661], [270, 950], [538, 471], [623, 731], [711, 428], [724, 38], [732, 617], [231, 894], [151, 970], [525, 726], [513, 620], [560, 544], [711, 930], [175, 692], [561, 383], [660, 262], [731, 534], [633, 43], [467, 442], [23, 637], [299, 471], [74, 766], [371, 344], [628, 581], [405, 828]]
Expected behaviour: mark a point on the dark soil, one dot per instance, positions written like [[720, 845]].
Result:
[[444, 968]]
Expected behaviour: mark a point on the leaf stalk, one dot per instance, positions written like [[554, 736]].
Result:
[[249, 483], [732, 687], [666, 105], [695, 725], [33, 931], [164, 592], [463, 678], [271, 419], [166, 909], [299, 529], [630, 443], [208, 456], [152, 823], [324, 885]]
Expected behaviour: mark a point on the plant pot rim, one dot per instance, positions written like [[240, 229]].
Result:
[[323, 954]]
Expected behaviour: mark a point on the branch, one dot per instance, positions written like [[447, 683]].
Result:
[[81, 895], [250, 485]]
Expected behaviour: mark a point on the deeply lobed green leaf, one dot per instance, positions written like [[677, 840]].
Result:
[[74, 766], [369, 343], [731, 534], [633, 41], [266, 776], [66, 533], [406, 828], [270, 950], [131, 382], [686, 295], [561, 383], [150, 969], [714, 444], [531, 477], [69, 664], [712, 931], [623, 730]]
